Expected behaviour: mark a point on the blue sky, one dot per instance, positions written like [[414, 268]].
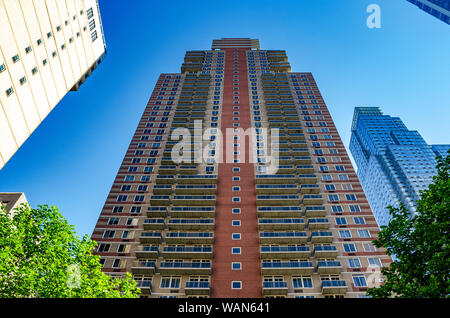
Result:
[[72, 158]]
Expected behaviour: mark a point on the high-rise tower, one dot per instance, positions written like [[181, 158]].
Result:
[[47, 48], [394, 163], [438, 8], [228, 224]]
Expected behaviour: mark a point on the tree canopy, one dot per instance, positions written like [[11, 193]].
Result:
[[41, 256]]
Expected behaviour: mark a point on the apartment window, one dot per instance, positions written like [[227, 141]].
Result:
[[236, 223], [354, 208], [49, 34], [23, 80], [302, 282], [54, 54], [235, 178], [364, 233], [135, 209], [236, 236], [122, 198], [139, 198], [236, 266], [58, 28], [336, 209], [374, 261], [170, 282], [333, 197], [117, 209], [359, 220], [236, 250], [354, 263], [341, 221], [235, 188], [113, 221], [236, 285], [359, 281], [116, 263], [236, 211], [90, 13], [39, 42], [28, 49], [345, 234], [15, 58], [349, 248], [103, 248], [109, 234], [369, 247], [350, 197], [236, 169], [94, 36], [34, 70], [2, 67], [91, 25]]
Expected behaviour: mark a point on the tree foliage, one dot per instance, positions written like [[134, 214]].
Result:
[[419, 244], [40, 256]]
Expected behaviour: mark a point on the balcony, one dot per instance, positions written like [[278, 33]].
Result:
[[278, 200], [145, 286], [192, 211], [275, 179], [281, 224], [147, 252], [287, 268], [334, 287], [321, 237], [143, 267], [286, 169], [204, 189], [309, 189], [197, 288], [162, 189], [189, 238], [196, 200], [315, 211], [289, 252], [312, 199], [188, 169], [274, 288], [276, 189], [185, 268], [318, 224], [191, 67], [325, 251], [307, 178], [197, 179], [329, 267], [156, 211], [160, 200], [187, 252], [300, 152], [150, 238], [191, 224], [167, 170], [275, 211], [165, 179], [153, 224], [283, 237]]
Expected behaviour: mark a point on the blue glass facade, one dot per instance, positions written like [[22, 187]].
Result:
[[394, 163], [438, 8]]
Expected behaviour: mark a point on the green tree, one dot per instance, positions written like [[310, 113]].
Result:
[[419, 244], [40, 256]]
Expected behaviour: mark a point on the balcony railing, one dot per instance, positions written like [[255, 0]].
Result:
[[269, 252], [293, 267]]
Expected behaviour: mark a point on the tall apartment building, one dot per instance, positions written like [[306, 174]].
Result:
[[394, 163], [229, 228], [47, 48], [438, 8]]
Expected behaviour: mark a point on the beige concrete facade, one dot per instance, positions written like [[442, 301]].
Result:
[[47, 48]]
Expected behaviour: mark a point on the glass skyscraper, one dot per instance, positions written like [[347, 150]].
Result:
[[438, 8], [394, 163]]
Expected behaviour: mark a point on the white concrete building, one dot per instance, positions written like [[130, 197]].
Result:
[[47, 48]]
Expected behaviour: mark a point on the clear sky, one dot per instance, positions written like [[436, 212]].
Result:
[[71, 160]]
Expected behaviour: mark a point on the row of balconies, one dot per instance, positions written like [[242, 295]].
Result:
[[299, 251], [286, 179], [191, 288], [145, 267], [176, 200], [174, 224], [265, 224], [328, 287], [177, 252], [187, 179], [176, 237], [300, 267], [290, 211], [295, 237]]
